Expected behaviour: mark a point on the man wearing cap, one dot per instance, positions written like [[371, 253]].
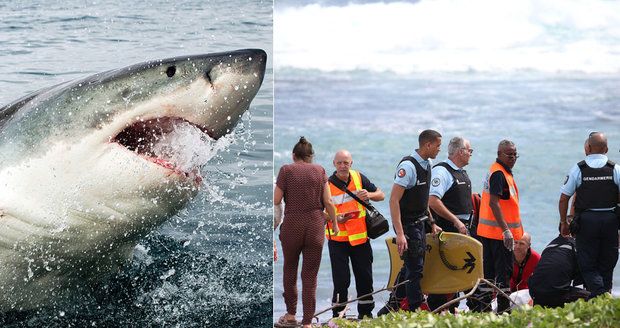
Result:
[[596, 180]]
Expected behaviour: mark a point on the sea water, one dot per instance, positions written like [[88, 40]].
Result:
[[369, 77], [211, 264]]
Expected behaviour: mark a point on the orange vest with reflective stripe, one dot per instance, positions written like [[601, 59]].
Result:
[[487, 223], [353, 230]]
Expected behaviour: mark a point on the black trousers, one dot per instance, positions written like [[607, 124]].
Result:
[[597, 250], [497, 269], [414, 262], [436, 300], [559, 298], [361, 262]]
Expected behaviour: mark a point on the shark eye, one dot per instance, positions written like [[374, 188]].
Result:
[[171, 70]]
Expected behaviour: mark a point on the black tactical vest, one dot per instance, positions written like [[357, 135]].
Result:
[[414, 202], [457, 198], [597, 189]]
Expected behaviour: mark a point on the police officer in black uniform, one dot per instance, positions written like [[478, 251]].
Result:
[[408, 204], [596, 180], [550, 284], [450, 198]]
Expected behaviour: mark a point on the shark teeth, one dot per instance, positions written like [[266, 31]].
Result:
[[193, 175]]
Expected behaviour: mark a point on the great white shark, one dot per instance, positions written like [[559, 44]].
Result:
[[79, 182]]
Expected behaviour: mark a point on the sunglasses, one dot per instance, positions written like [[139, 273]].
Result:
[[515, 155]]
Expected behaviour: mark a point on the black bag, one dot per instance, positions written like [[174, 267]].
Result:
[[376, 223]]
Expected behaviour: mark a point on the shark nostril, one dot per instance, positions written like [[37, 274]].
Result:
[[170, 71]]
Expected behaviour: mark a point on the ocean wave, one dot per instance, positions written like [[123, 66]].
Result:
[[450, 36]]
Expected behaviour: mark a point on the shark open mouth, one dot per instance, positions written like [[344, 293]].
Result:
[[171, 142]]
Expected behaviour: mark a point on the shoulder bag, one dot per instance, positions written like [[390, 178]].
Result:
[[376, 223]]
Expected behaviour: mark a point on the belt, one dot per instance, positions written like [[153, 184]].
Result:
[[465, 221], [413, 221], [598, 210]]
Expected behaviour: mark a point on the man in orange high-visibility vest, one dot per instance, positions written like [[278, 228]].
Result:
[[351, 242], [499, 223]]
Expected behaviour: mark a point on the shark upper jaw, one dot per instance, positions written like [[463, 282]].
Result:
[[203, 104]]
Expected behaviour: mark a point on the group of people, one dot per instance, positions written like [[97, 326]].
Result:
[[426, 198], [308, 191]]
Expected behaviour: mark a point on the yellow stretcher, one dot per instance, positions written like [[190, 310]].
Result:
[[453, 262]]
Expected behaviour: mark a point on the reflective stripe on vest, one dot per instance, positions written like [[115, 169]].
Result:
[[494, 223], [354, 230], [488, 226]]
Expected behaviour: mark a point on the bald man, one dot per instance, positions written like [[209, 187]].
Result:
[[596, 180], [352, 240], [525, 260]]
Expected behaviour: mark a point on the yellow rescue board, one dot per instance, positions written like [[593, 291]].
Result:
[[459, 269]]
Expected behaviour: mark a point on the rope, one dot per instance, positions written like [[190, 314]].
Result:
[[471, 292], [316, 315], [443, 257], [437, 310]]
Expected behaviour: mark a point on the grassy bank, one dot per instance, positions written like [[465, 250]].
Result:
[[603, 311]]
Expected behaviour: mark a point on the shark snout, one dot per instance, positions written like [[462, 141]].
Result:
[[234, 81], [249, 63]]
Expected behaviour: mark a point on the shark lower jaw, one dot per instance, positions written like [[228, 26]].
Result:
[[144, 139]]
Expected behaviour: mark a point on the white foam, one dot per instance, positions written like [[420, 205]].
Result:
[[188, 148], [451, 36]]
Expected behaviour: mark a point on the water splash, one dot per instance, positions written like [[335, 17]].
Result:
[[187, 148]]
